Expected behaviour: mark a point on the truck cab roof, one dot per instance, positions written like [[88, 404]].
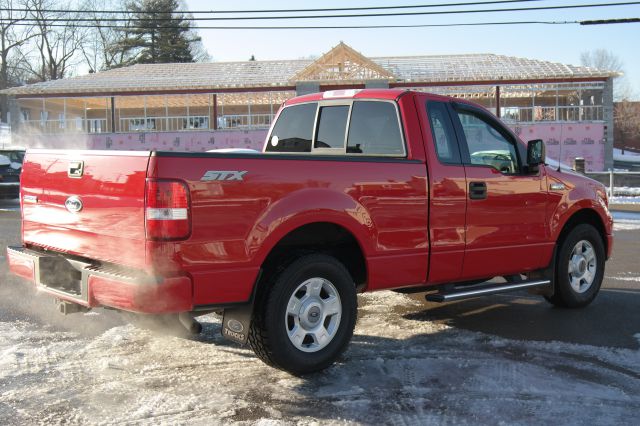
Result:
[[389, 94]]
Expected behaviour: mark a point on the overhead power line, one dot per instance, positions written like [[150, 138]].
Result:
[[369, 15], [332, 27], [611, 21], [335, 9]]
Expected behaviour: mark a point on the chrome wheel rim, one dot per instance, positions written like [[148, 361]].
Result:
[[313, 315], [582, 266]]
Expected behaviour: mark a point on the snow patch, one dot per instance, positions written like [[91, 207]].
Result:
[[401, 368], [626, 225], [624, 200], [626, 278], [628, 156]]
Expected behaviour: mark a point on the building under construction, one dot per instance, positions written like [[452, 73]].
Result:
[[201, 106]]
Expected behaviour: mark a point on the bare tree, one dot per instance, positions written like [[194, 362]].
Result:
[[56, 48], [199, 52], [626, 123], [97, 49], [601, 59], [15, 32], [606, 60]]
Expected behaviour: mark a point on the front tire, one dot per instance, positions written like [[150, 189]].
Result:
[[579, 268], [306, 319]]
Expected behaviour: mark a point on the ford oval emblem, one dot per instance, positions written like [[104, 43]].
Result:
[[73, 204], [235, 325]]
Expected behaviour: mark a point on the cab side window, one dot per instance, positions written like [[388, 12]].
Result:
[[332, 126], [294, 129], [374, 129], [442, 132], [487, 144]]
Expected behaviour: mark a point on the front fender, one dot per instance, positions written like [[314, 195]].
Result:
[[575, 199]]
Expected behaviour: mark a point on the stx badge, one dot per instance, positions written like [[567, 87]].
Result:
[[224, 175]]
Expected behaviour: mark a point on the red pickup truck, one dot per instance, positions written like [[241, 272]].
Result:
[[355, 191]]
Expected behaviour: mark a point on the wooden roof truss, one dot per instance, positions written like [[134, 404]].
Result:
[[343, 64]]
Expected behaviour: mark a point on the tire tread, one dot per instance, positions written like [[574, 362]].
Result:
[[259, 338]]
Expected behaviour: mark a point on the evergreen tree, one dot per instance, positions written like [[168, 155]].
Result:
[[157, 33]]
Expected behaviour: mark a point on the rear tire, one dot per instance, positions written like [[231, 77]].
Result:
[[305, 318], [579, 268]]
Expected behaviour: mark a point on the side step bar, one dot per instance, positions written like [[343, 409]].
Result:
[[465, 293]]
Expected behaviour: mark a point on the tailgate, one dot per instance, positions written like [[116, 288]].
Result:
[[86, 203]]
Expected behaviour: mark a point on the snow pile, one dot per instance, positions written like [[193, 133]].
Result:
[[627, 277], [401, 368], [626, 225], [625, 195], [624, 200], [628, 156], [626, 221], [626, 191]]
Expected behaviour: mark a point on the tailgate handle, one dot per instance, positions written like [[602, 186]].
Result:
[[477, 190]]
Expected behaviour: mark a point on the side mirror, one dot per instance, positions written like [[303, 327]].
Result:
[[535, 154]]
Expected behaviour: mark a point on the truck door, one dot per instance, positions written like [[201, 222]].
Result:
[[505, 214], [447, 190]]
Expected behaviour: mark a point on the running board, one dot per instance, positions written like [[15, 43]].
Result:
[[462, 293]]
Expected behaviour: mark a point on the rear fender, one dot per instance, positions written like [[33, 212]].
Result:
[[310, 206]]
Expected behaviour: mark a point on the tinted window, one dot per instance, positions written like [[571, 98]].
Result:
[[293, 130], [332, 126], [374, 129], [443, 136], [14, 156], [488, 146]]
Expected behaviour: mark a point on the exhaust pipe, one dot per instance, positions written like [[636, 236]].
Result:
[[187, 320], [66, 308]]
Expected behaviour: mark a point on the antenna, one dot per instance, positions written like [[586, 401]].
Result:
[[560, 150]]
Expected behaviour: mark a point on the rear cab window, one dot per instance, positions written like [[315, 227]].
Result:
[[332, 126], [346, 127]]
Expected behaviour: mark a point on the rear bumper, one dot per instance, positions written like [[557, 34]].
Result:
[[91, 286], [609, 245]]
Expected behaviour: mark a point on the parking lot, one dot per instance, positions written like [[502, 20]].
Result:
[[509, 358]]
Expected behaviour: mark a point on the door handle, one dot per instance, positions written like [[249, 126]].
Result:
[[477, 190]]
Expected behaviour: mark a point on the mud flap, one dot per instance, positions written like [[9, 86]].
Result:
[[236, 322]]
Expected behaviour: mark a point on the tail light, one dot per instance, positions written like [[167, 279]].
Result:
[[167, 213]]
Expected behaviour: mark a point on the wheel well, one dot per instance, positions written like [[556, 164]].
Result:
[[585, 216], [320, 237]]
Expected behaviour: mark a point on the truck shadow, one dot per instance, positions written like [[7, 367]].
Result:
[[610, 321], [441, 376], [437, 375]]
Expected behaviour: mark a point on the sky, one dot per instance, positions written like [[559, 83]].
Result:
[[557, 43]]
